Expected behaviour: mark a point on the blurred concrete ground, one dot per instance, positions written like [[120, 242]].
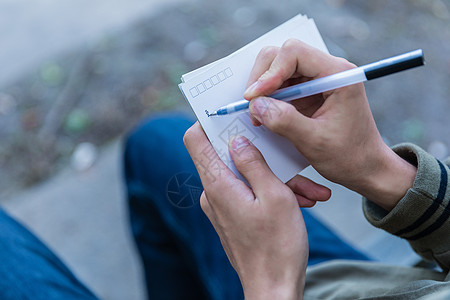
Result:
[[33, 31]]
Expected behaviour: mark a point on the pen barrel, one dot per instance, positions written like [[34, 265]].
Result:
[[328, 83], [394, 64], [233, 107], [321, 85]]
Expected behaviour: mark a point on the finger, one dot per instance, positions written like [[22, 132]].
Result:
[[308, 189], [210, 167], [262, 63], [216, 177], [254, 121], [251, 164], [304, 202], [295, 59], [282, 118]]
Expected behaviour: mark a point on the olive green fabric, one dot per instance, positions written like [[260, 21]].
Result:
[[422, 218]]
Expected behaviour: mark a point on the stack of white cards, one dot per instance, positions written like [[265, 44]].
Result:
[[224, 81]]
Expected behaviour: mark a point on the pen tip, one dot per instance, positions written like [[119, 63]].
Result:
[[213, 114]]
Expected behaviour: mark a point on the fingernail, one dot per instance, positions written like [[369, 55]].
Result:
[[258, 108], [239, 142], [250, 90]]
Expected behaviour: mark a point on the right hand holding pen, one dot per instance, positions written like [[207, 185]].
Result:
[[335, 131]]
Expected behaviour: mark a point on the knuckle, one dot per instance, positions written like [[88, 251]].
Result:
[[295, 48], [268, 52], [188, 136], [191, 134], [342, 64], [277, 194], [291, 44], [275, 76], [217, 187], [247, 155], [248, 159], [204, 204]]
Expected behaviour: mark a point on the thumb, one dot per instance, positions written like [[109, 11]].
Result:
[[282, 118], [251, 164]]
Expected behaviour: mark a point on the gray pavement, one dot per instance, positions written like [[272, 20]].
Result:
[[34, 31]]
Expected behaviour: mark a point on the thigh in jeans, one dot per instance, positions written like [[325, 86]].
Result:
[[29, 270]]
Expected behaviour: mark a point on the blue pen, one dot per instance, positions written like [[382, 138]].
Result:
[[360, 74]]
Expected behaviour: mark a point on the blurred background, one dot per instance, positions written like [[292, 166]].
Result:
[[77, 75]]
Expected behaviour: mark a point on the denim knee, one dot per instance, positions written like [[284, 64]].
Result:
[[156, 147]]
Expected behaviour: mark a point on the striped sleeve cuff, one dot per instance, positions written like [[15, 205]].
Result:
[[422, 216]]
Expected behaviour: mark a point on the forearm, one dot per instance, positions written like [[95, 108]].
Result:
[[421, 216], [388, 179]]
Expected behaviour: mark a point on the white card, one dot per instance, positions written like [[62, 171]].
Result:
[[224, 81]]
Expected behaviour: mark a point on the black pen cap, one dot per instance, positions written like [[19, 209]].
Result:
[[394, 64]]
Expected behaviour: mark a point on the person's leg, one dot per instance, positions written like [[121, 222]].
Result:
[[178, 245], [29, 270]]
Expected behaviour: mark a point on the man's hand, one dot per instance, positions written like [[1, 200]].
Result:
[[261, 228], [335, 131]]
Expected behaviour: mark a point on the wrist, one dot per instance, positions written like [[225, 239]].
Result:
[[287, 283], [389, 180], [266, 289]]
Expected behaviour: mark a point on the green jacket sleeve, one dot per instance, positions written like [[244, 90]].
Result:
[[422, 215]]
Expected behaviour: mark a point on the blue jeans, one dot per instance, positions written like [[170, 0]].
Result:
[[29, 270], [180, 251]]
